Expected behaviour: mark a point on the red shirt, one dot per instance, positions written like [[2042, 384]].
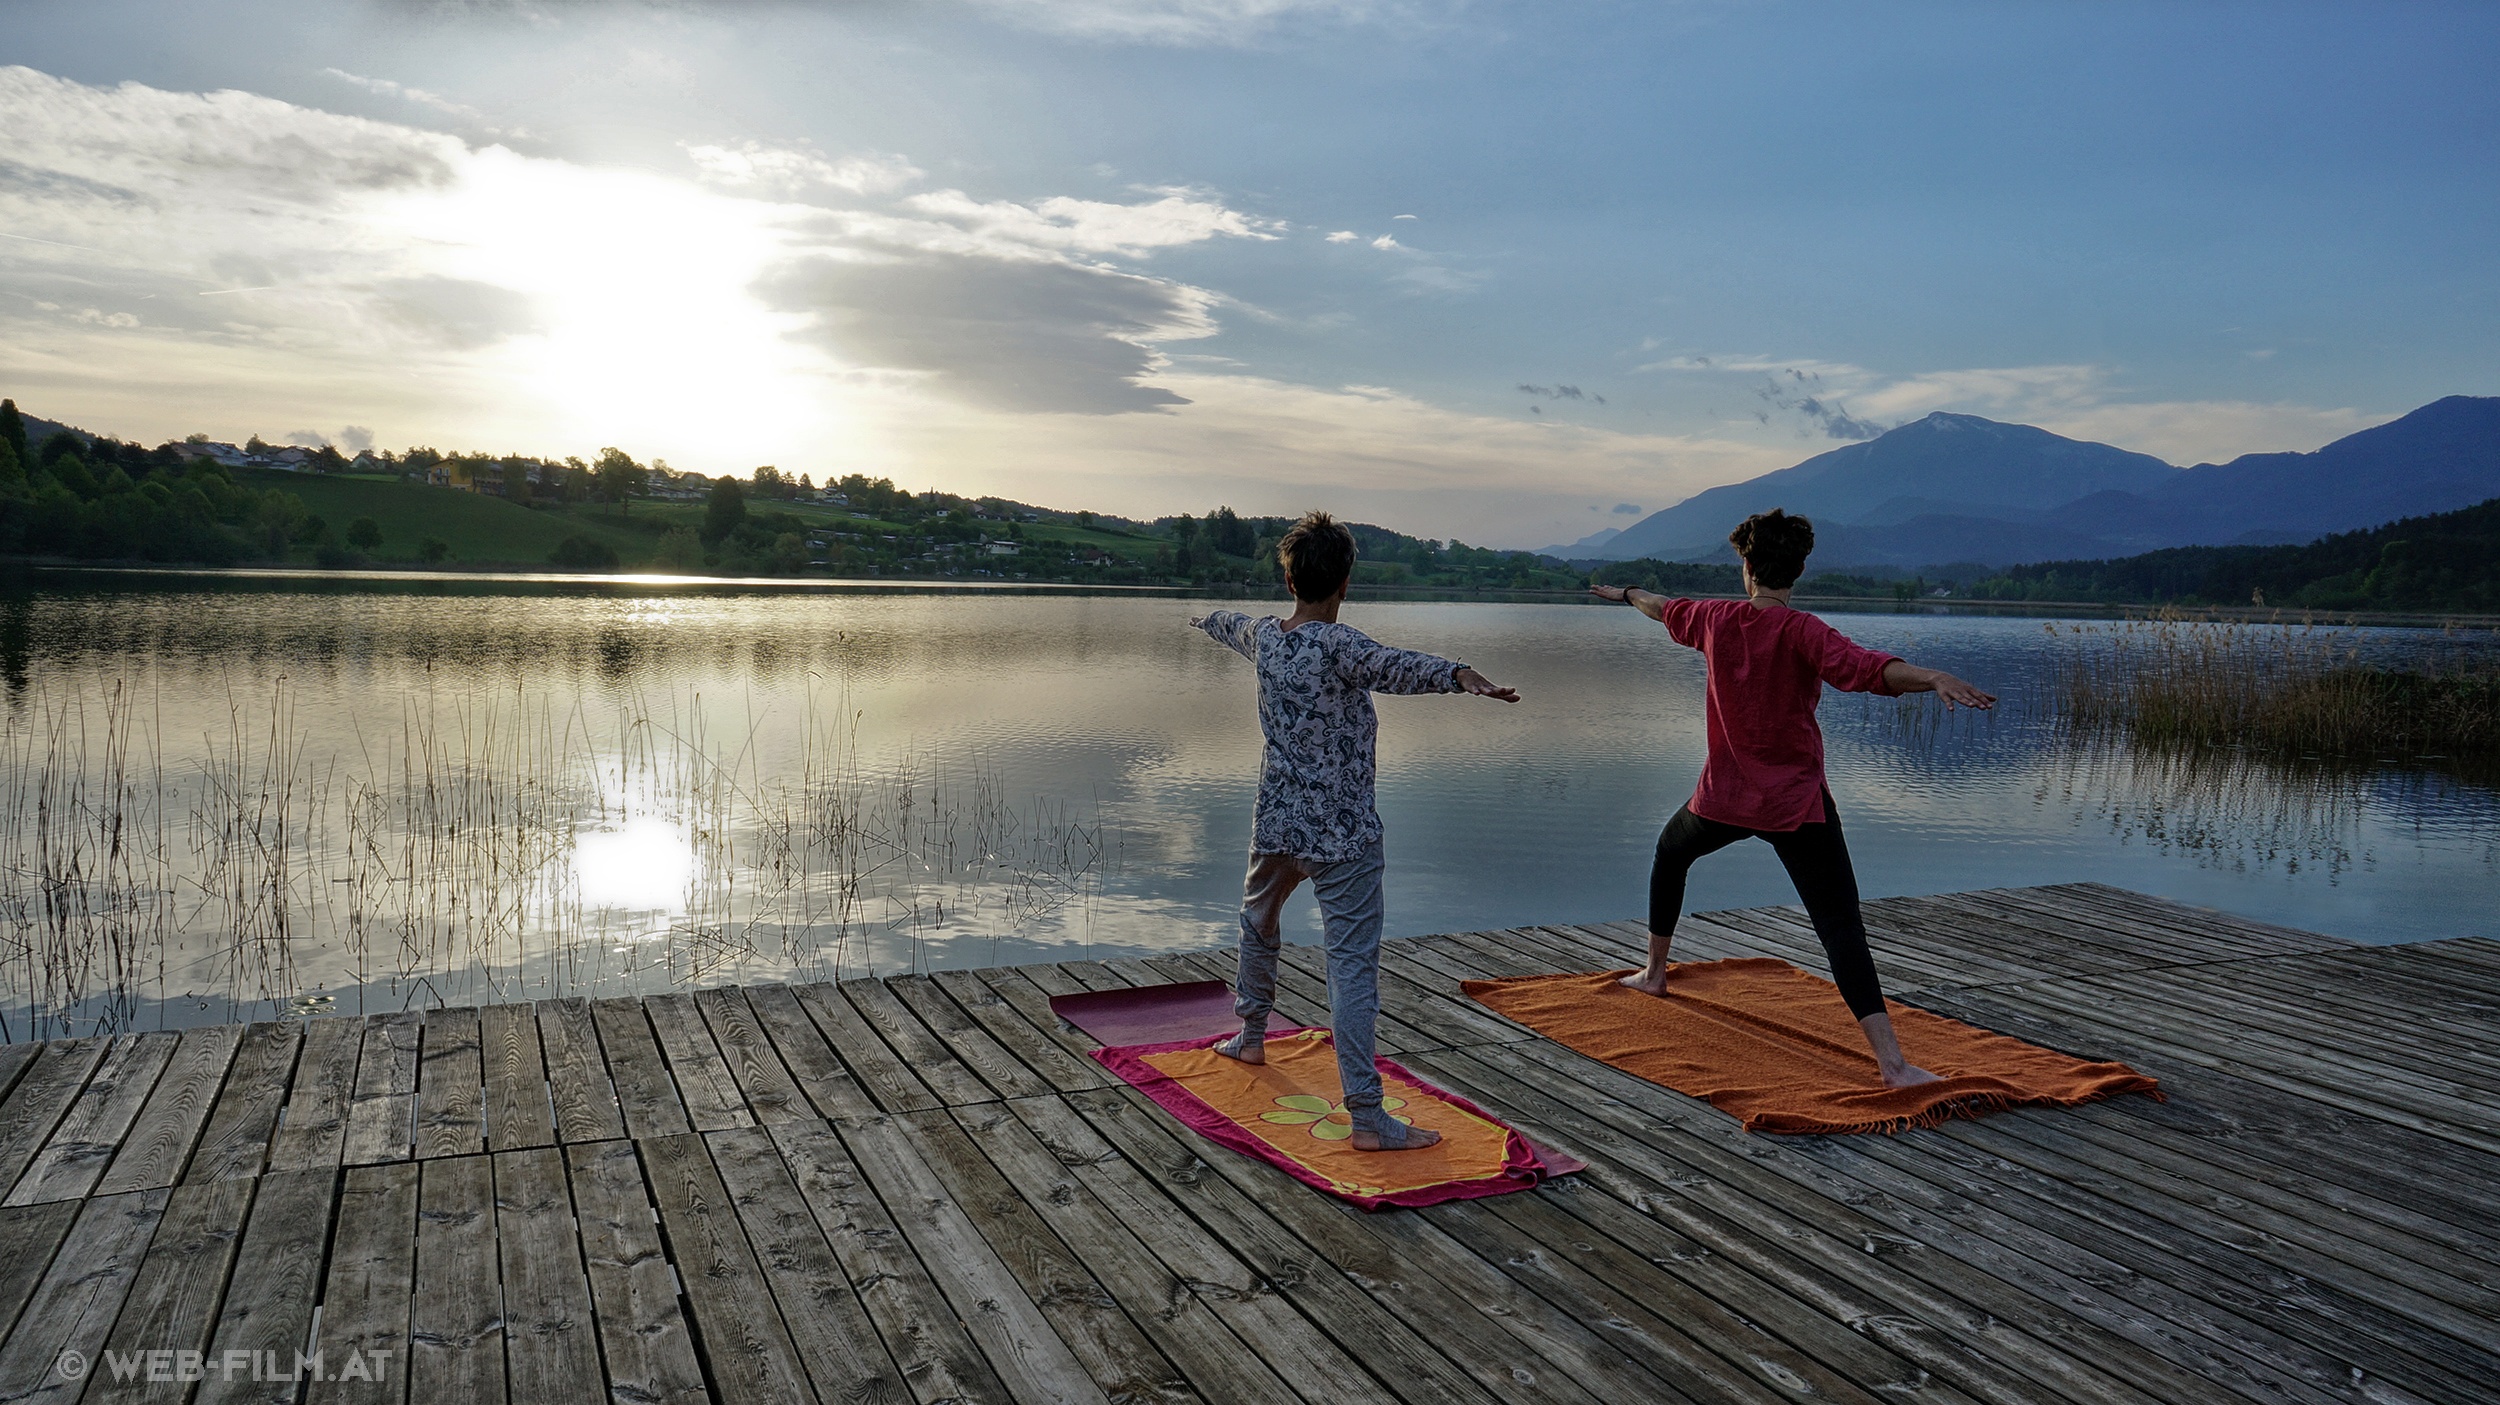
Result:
[[1768, 665]]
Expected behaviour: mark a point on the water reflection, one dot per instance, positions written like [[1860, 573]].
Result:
[[232, 801]]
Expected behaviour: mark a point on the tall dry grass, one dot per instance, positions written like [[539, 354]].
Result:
[[2299, 690], [249, 868]]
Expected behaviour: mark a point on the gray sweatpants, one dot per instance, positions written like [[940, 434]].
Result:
[[1350, 913]]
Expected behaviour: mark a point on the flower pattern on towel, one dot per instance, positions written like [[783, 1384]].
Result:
[[1328, 1121], [1315, 709]]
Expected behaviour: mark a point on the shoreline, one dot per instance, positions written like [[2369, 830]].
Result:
[[655, 583]]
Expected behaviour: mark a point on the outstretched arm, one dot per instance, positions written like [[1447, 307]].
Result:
[[1647, 602], [1903, 677], [1232, 629], [1381, 669]]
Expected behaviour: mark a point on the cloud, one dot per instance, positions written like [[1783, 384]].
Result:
[[1625, 509], [1343, 236], [1402, 217], [1387, 241], [1095, 226], [1200, 22], [418, 96], [1562, 392], [2209, 431], [783, 170], [1375, 453], [1030, 335], [307, 438], [356, 438]]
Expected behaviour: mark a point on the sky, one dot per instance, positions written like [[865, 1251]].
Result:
[[1509, 273]]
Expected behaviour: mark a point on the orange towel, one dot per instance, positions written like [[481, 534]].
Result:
[[1776, 1047]]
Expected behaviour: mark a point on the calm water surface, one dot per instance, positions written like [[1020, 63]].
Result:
[[231, 800]]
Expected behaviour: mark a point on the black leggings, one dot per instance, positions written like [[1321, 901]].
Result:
[[1817, 860]]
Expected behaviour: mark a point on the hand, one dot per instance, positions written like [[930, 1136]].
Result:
[[1954, 690], [1484, 687], [1197, 622], [1617, 594]]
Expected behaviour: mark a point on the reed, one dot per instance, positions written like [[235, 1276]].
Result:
[[250, 872], [2292, 690]]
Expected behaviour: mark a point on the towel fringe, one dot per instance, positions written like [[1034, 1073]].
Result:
[[1974, 1105]]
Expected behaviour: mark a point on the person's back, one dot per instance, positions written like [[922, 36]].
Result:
[[1320, 766], [1315, 821], [1767, 668]]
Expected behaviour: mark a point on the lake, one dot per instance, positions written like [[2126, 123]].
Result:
[[233, 797]]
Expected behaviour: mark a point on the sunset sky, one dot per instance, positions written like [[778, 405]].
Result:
[[1505, 272]]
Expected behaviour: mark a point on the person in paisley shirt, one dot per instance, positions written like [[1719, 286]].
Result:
[[1763, 776], [1315, 820]]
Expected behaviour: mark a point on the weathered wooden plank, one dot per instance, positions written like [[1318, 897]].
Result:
[[928, 1056], [644, 1340], [885, 1076], [363, 1342], [966, 1039], [1018, 1339], [519, 1110], [236, 1142], [455, 1315], [766, 1086], [921, 1332], [158, 1144], [173, 1300], [1157, 1301], [551, 1344], [42, 1098], [314, 1131], [829, 1329], [15, 1059], [83, 1144], [713, 1102], [29, 1236], [1015, 988], [577, 1072], [1418, 1334], [451, 1086], [269, 1301], [73, 1307], [382, 1118], [811, 1061], [644, 1091], [745, 1342]]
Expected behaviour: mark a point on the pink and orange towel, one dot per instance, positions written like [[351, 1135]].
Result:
[[1288, 1112], [1777, 1048]]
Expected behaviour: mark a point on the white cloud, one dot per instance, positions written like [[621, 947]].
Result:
[[1387, 241], [783, 170], [1095, 226], [2210, 431], [418, 96], [1343, 236], [1199, 22]]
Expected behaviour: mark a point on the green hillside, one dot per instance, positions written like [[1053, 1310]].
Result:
[[480, 530]]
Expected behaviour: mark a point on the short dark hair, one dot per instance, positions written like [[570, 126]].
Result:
[[1318, 555], [1775, 545]]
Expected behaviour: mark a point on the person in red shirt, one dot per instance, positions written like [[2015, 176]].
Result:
[[1763, 778]]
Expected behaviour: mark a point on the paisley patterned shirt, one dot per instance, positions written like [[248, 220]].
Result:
[[1315, 707]]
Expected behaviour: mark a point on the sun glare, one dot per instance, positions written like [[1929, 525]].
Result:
[[645, 333], [644, 865]]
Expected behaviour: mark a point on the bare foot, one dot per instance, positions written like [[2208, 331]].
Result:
[[1910, 1076], [1647, 982], [1245, 1047], [1411, 1138]]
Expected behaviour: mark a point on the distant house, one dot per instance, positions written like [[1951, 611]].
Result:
[[472, 476], [1004, 548], [216, 452], [290, 459], [367, 461]]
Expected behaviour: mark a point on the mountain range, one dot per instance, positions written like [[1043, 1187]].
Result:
[[1952, 489]]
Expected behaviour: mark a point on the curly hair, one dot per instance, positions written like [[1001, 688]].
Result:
[[1318, 555], [1775, 545]]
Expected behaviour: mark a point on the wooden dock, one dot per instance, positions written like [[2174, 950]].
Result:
[[918, 1189]]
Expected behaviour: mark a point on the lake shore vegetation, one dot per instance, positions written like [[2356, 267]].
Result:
[[2301, 692]]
